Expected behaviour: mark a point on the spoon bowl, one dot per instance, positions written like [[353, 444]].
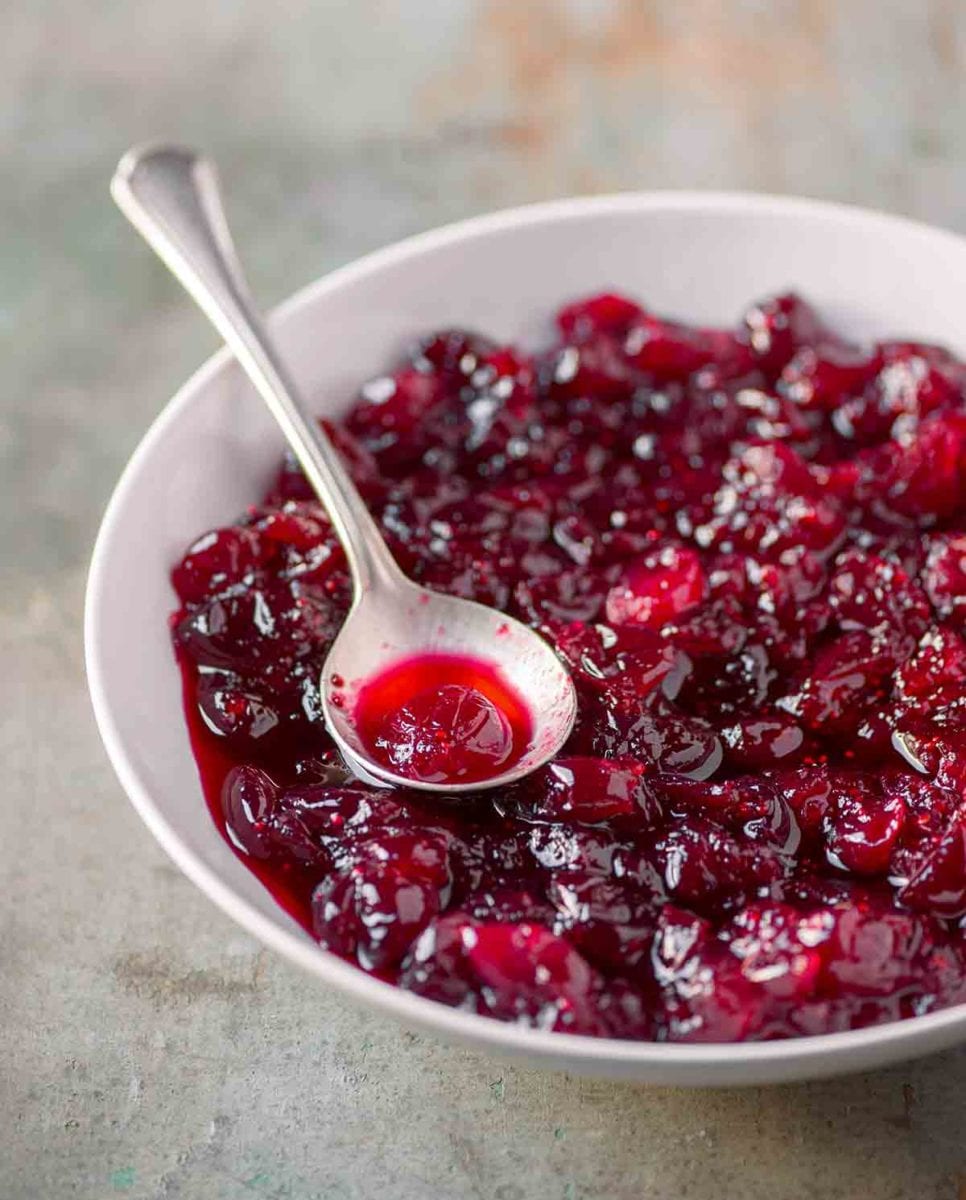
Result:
[[172, 197], [384, 628]]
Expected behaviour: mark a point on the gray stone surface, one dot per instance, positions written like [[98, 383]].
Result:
[[149, 1048]]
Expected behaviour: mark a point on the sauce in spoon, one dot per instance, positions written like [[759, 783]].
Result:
[[441, 718]]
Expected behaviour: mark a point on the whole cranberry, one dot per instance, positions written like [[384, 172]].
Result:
[[780, 948], [763, 741], [937, 883], [935, 675], [447, 733], [667, 350], [846, 675], [660, 735], [588, 791], [778, 326], [216, 561], [237, 713], [249, 799], [824, 378], [372, 913], [662, 587], [453, 354], [944, 576], [862, 825], [611, 922], [525, 971], [603, 313]]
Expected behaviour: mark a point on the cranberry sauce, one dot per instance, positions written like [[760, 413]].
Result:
[[440, 718], [749, 547]]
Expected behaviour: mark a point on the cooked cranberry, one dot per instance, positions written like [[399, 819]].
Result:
[[936, 750], [462, 571], [610, 921], [762, 741], [807, 790], [771, 503], [747, 546], [624, 665], [296, 525], [717, 629], [373, 913], [706, 996], [779, 326], [525, 971], [436, 964], [780, 947], [936, 674], [587, 791], [862, 825], [754, 808], [937, 882], [678, 936], [772, 417], [392, 418], [928, 808], [215, 562], [625, 1012], [721, 686], [454, 353], [904, 390], [487, 857], [846, 675], [293, 845], [436, 727], [661, 736], [944, 576], [597, 368], [257, 629], [441, 719], [509, 905], [237, 713], [872, 593], [667, 350], [418, 853], [573, 849], [875, 952], [248, 801], [332, 817], [562, 597], [700, 862], [606, 313], [923, 474], [825, 378], [659, 589]]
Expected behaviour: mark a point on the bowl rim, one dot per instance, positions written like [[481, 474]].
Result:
[[407, 1007]]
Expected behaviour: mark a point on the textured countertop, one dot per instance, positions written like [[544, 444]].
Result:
[[148, 1048]]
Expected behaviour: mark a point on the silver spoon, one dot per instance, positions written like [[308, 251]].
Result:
[[171, 196]]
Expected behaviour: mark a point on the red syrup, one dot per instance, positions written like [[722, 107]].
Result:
[[288, 884]]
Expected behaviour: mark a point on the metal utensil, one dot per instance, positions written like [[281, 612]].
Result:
[[171, 196]]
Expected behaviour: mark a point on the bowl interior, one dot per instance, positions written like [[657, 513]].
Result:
[[701, 257]]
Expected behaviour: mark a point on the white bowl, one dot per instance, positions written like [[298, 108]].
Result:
[[701, 256]]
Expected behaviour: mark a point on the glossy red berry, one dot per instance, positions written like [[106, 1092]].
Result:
[[659, 589]]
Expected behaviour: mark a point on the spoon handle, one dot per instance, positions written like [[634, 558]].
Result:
[[170, 194]]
